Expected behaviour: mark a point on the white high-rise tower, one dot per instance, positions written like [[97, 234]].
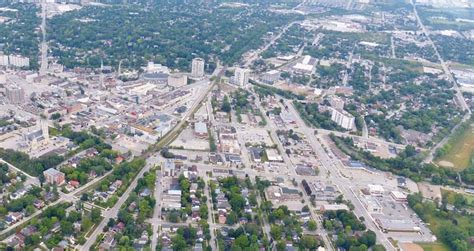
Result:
[[44, 129], [197, 68]]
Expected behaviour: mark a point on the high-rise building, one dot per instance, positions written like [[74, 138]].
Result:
[[197, 68], [44, 129], [15, 94], [343, 119], [4, 60], [241, 76], [18, 61]]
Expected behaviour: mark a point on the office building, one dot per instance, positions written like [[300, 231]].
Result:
[[197, 68], [343, 119], [177, 80], [271, 77], [241, 77], [53, 176]]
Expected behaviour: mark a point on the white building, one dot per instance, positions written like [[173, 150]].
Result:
[[371, 204], [197, 68], [177, 80], [14, 60], [376, 190], [271, 76], [156, 68], [241, 77], [4, 60], [343, 119], [15, 94], [18, 61]]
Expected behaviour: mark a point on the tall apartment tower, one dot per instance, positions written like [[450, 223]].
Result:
[[241, 76], [44, 129], [197, 68], [15, 94]]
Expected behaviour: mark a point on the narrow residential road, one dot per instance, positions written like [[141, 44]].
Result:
[[112, 212]]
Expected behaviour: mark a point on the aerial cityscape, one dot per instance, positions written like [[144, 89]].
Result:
[[328, 125]]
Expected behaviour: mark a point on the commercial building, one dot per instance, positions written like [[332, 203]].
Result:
[[343, 119], [53, 176], [372, 205], [271, 77], [241, 76], [15, 94], [200, 129], [177, 80], [197, 68], [398, 196]]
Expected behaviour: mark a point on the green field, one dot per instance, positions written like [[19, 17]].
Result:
[[460, 150], [437, 246]]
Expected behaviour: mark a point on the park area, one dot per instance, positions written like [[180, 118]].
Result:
[[456, 154]]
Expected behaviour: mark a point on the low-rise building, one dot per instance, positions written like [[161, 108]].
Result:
[[53, 176]]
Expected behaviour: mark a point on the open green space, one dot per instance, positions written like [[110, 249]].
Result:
[[436, 246], [456, 154]]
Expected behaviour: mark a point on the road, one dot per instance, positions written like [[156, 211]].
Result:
[[43, 44], [112, 212], [460, 99], [345, 79], [210, 219], [72, 197], [30, 180], [157, 211], [255, 54], [333, 168]]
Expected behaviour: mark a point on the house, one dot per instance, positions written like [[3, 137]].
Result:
[[38, 204], [74, 183], [145, 192]]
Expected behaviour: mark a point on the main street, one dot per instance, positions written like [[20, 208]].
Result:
[[333, 169]]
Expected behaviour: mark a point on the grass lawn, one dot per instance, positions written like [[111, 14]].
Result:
[[436, 246], [461, 151]]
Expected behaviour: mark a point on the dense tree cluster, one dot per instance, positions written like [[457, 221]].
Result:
[[32, 166], [451, 227], [167, 32], [310, 113], [408, 163], [19, 35]]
